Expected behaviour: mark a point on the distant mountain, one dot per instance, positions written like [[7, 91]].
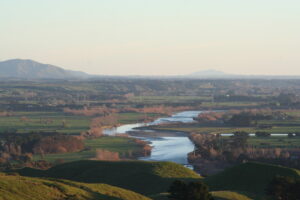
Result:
[[29, 69]]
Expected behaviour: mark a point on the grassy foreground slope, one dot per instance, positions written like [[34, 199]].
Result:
[[14, 187], [139, 176], [229, 195], [251, 178]]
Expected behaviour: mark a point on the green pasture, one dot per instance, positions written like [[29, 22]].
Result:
[[167, 99], [132, 117], [275, 141], [25, 122], [44, 121], [123, 145], [230, 104], [228, 129]]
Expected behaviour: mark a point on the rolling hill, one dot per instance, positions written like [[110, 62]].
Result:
[[14, 187], [229, 195], [246, 181], [249, 178], [29, 69], [147, 178]]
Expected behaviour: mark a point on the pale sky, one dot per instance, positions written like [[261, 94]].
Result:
[[154, 37]]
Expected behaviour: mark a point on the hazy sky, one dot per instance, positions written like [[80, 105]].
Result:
[[154, 37]]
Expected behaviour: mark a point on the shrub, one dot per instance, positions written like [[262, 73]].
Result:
[[262, 134], [179, 190], [284, 188]]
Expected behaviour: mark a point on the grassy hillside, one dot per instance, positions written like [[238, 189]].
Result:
[[14, 187], [228, 195], [139, 176], [250, 177]]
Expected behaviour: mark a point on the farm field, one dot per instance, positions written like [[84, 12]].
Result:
[[131, 118], [202, 129], [93, 106], [126, 147], [24, 122], [168, 99], [272, 141], [227, 129], [275, 141]]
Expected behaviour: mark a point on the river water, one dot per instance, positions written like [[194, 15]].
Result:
[[173, 149]]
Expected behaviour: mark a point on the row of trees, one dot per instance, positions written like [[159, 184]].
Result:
[[245, 117], [58, 144], [103, 110], [22, 146], [98, 124], [235, 149], [143, 150], [102, 154]]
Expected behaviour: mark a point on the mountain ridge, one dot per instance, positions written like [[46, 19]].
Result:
[[30, 69]]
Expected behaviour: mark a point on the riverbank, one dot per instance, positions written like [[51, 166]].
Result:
[[166, 145], [156, 133]]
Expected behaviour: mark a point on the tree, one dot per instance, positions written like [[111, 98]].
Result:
[[284, 188], [240, 138], [262, 134], [286, 99], [64, 124], [102, 154], [241, 119], [290, 135], [179, 190], [198, 191]]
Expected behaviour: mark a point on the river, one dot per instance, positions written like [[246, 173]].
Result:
[[173, 148]]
